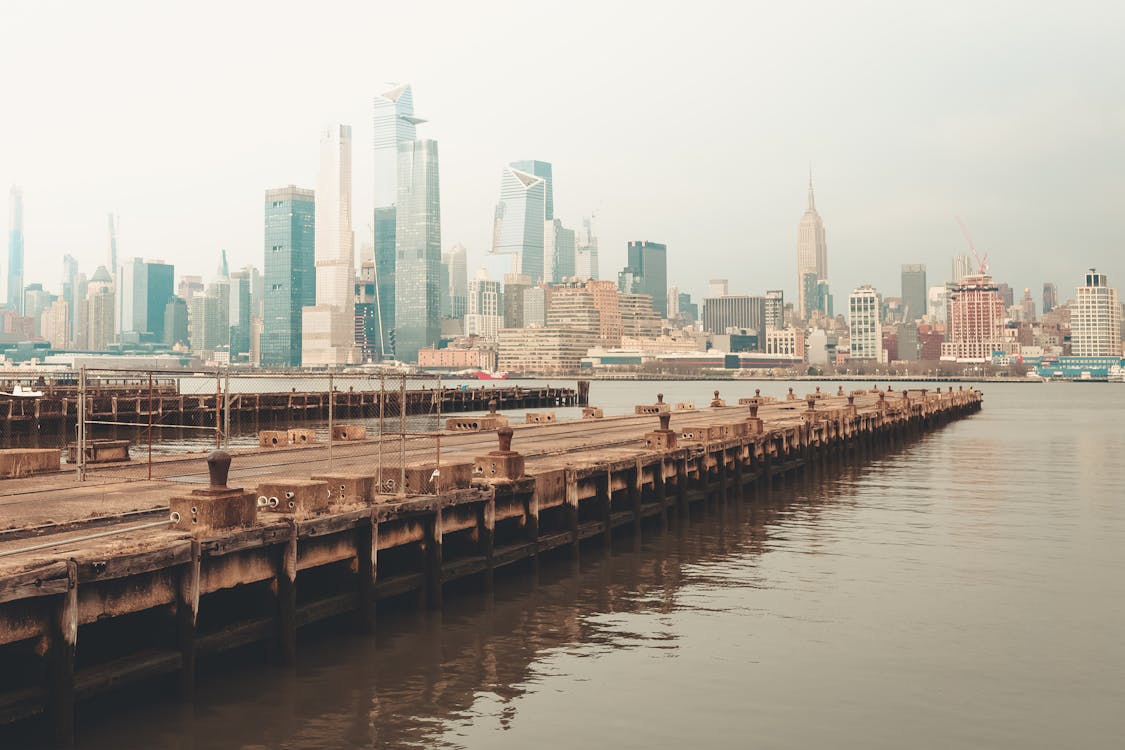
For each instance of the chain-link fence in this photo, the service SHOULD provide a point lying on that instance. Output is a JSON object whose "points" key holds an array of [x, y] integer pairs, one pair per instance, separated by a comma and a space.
{"points": [[160, 425]]}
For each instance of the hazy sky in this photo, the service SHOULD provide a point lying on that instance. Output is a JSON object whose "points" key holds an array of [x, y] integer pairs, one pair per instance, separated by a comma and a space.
{"points": [[691, 123]]}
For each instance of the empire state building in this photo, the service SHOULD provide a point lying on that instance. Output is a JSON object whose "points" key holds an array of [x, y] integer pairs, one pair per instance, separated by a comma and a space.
{"points": [[812, 255]]}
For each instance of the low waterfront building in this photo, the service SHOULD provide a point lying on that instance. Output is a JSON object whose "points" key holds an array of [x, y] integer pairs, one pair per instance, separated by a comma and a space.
{"points": [[450, 358], [543, 350], [789, 342]]}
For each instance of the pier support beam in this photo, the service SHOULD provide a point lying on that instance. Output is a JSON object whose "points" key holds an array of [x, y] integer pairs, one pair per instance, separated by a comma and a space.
{"points": [[187, 615], [287, 598], [367, 559], [62, 641], [433, 560]]}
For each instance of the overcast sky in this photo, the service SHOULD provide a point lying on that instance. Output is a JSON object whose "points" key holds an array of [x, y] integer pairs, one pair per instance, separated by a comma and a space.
{"points": [[691, 123]]}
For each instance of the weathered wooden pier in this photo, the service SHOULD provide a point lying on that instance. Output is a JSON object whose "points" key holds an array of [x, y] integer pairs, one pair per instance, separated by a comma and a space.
{"points": [[135, 403], [84, 613]]}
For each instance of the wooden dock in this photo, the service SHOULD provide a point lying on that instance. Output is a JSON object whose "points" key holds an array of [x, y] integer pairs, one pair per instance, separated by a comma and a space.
{"points": [[84, 611], [57, 409]]}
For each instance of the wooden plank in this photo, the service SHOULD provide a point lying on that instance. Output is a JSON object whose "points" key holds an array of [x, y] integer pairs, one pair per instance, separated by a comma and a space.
{"points": [[400, 584], [45, 581], [21, 704], [326, 607], [333, 524], [235, 636], [246, 539], [123, 566], [110, 675]]}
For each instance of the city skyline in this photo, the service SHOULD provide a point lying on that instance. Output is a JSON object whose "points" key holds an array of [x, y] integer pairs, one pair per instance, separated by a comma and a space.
{"points": [[972, 166]]}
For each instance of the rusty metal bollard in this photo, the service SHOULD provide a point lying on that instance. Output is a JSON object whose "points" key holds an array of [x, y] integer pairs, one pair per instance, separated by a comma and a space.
{"points": [[218, 468]]}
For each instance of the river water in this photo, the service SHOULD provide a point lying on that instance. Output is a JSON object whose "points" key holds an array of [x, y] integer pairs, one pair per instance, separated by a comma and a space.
{"points": [[965, 590]]}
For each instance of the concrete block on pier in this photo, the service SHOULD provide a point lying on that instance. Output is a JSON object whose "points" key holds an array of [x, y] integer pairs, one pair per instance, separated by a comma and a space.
{"points": [[540, 417], [273, 438], [684, 406], [475, 424], [347, 489], [100, 451], [217, 507], [424, 479], [22, 462], [658, 408], [284, 495], [664, 438], [213, 509], [301, 436], [717, 402], [502, 463], [349, 432], [592, 412]]}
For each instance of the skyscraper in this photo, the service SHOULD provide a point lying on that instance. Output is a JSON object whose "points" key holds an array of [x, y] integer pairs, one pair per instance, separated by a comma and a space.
{"points": [[143, 289], [1050, 296], [328, 328], [485, 316], [15, 249], [457, 260], [586, 251], [962, 267], [541, 169], [239, 315], [1095, 321], [976, 319], [914, 290], [111, 243], [518, 225], [647, 273], [290, 281], [418, 250], [395, 125], [775, 309], [812, 249], [559, 250], [99, 311], [864, 326], [69, 294]]}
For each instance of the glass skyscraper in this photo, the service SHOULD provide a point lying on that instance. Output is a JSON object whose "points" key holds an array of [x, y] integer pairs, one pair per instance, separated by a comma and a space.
{"points": [[290, 273], [647, 273], [541, 169], [15, 249], [143, 290], [394, 126], [418, 250], [519, 221], [914, 291]]}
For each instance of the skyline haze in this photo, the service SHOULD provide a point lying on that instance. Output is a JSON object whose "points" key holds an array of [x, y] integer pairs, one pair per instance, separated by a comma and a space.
{"points": [[995, 115]]}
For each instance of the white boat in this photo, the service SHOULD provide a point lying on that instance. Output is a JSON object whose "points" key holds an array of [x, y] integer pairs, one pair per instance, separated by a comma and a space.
{"points": [[1116, 374], [20, 392]]}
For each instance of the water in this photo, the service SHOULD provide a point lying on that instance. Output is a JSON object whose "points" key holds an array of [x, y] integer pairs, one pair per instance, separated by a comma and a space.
{"points": [[964, 591]]}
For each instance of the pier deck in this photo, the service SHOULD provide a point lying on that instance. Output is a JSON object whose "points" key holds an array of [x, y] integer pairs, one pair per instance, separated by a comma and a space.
{"points": [[84, 609]]}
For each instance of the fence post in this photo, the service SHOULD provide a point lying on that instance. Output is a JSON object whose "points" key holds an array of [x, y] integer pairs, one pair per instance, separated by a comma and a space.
{"points": [[150, 424], [218, 409], [437, 432], [382, 421], [81, 447], [402, 442], [331, 400], [226, 408]]}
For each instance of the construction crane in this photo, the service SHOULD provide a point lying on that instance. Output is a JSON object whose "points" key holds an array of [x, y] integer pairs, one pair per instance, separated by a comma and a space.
{"points": [[982, 263]]}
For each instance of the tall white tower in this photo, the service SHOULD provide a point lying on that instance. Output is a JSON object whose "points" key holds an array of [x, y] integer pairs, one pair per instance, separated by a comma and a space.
{"points": [[812, 249], [1095, 322], [328, 328]]}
